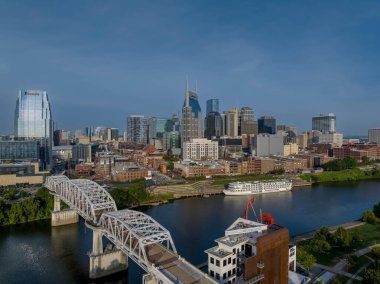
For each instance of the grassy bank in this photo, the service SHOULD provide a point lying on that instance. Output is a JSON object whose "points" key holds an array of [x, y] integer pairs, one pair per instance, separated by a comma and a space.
{"points": [[360, 237], [345, 175], [136, 194]]}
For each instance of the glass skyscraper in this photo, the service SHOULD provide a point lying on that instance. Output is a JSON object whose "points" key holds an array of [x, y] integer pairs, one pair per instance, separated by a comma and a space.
{"points": [[324, 122], [267, 124], [33, 121], [212, 105], [191, 117]]}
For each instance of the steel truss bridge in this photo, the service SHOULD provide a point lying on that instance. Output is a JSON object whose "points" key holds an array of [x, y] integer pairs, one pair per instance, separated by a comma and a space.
{"points": [[136, 234]]}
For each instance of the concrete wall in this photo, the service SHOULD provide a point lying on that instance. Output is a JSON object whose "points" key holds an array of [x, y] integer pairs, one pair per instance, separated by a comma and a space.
{"points": [[107, 263], [64, 217]]}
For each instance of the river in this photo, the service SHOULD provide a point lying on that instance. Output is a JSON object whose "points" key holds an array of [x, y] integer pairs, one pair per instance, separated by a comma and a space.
{"points": [[38, 253]]}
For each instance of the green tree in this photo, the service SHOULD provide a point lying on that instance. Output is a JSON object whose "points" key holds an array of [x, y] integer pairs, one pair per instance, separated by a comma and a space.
{"points": [[372, 276], [322, 234], [376, 210], [341, 237], [171, 166], [320, 246], [365, 160], [356, 236], [369, 217], [306, 259]]}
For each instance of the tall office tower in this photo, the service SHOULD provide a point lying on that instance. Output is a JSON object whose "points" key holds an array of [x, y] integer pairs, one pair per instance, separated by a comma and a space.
{"points": [[176, 123], [61, 137], [191, 117], [324, 122], [247, 123], [213, 125], [151, 129], [89, 131], [33, 121], [374, 135], [212, 105], [232, 122], [112, 134], [137, 129], [163, 125], [267, 124], [223, 116]]}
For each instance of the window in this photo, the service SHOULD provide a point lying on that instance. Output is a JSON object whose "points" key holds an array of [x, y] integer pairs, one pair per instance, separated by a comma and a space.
{"points": [[217, 262], [211, 260], [233, 271], [229, 260], [234, 251], [211, 273], [234, 261], [242, 247], [229, 273], [224, 275], [217, 276], [225, 262]]}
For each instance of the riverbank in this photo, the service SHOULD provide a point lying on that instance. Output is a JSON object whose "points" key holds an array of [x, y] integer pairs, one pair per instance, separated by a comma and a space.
{"points": [[342, 176]]}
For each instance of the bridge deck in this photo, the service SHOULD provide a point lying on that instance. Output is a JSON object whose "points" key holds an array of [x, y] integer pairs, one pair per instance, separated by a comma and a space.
{"points": [[175, 268]]}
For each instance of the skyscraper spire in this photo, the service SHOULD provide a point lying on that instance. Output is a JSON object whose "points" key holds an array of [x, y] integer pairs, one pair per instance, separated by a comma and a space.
{"points": [[187, 92]]}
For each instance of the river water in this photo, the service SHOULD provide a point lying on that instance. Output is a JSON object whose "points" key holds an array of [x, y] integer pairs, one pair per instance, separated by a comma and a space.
{"points": [[38, 253]]}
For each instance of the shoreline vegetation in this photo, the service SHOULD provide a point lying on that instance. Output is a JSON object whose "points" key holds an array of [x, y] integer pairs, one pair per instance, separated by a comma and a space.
{"points": [[327, 247], [35, 208], [341, 176]]}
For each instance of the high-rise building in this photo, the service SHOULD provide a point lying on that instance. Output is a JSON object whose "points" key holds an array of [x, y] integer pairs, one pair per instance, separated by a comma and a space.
{"points": [[200, 149], [232, 122], [176, 123], [33, 121], [267, 124], [191, 117], [89, 131], [213, 125], [374, 135], [171, 140], [137, 129], [324, 122], [247, 123], [61, 137], [163, 125], [112, 134], [212, 105]]}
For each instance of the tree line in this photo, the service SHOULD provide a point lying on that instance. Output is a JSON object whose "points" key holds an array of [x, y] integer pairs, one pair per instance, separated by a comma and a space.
{"points": [[31, 209]]}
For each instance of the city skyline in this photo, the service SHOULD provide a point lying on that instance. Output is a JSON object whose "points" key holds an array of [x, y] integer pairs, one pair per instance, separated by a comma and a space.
{"points": [[271, 57]]}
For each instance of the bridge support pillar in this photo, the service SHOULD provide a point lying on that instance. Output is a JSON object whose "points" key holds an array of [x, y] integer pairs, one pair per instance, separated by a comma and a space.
{"points": [[104, 262], [149, 279], [62, 217]]}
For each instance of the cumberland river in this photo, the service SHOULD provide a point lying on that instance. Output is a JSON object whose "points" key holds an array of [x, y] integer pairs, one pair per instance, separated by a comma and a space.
{"points": [[37, 253]]}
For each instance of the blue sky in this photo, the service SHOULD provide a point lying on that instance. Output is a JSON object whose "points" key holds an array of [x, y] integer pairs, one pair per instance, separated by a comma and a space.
{"points": [[101, 61]]}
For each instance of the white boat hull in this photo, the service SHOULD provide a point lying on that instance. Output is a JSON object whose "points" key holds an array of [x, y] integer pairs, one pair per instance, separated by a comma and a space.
{"points": [[249, 192]]}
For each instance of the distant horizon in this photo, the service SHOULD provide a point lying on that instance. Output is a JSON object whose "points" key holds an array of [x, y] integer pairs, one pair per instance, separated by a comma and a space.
{"points": [[103, 61]]}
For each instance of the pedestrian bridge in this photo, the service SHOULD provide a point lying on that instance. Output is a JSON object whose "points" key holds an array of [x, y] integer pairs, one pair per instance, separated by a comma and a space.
{"points": [[134, 233]]}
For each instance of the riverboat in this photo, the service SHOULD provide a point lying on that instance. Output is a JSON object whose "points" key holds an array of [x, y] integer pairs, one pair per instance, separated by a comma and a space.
{"points": [[257, 187]]}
